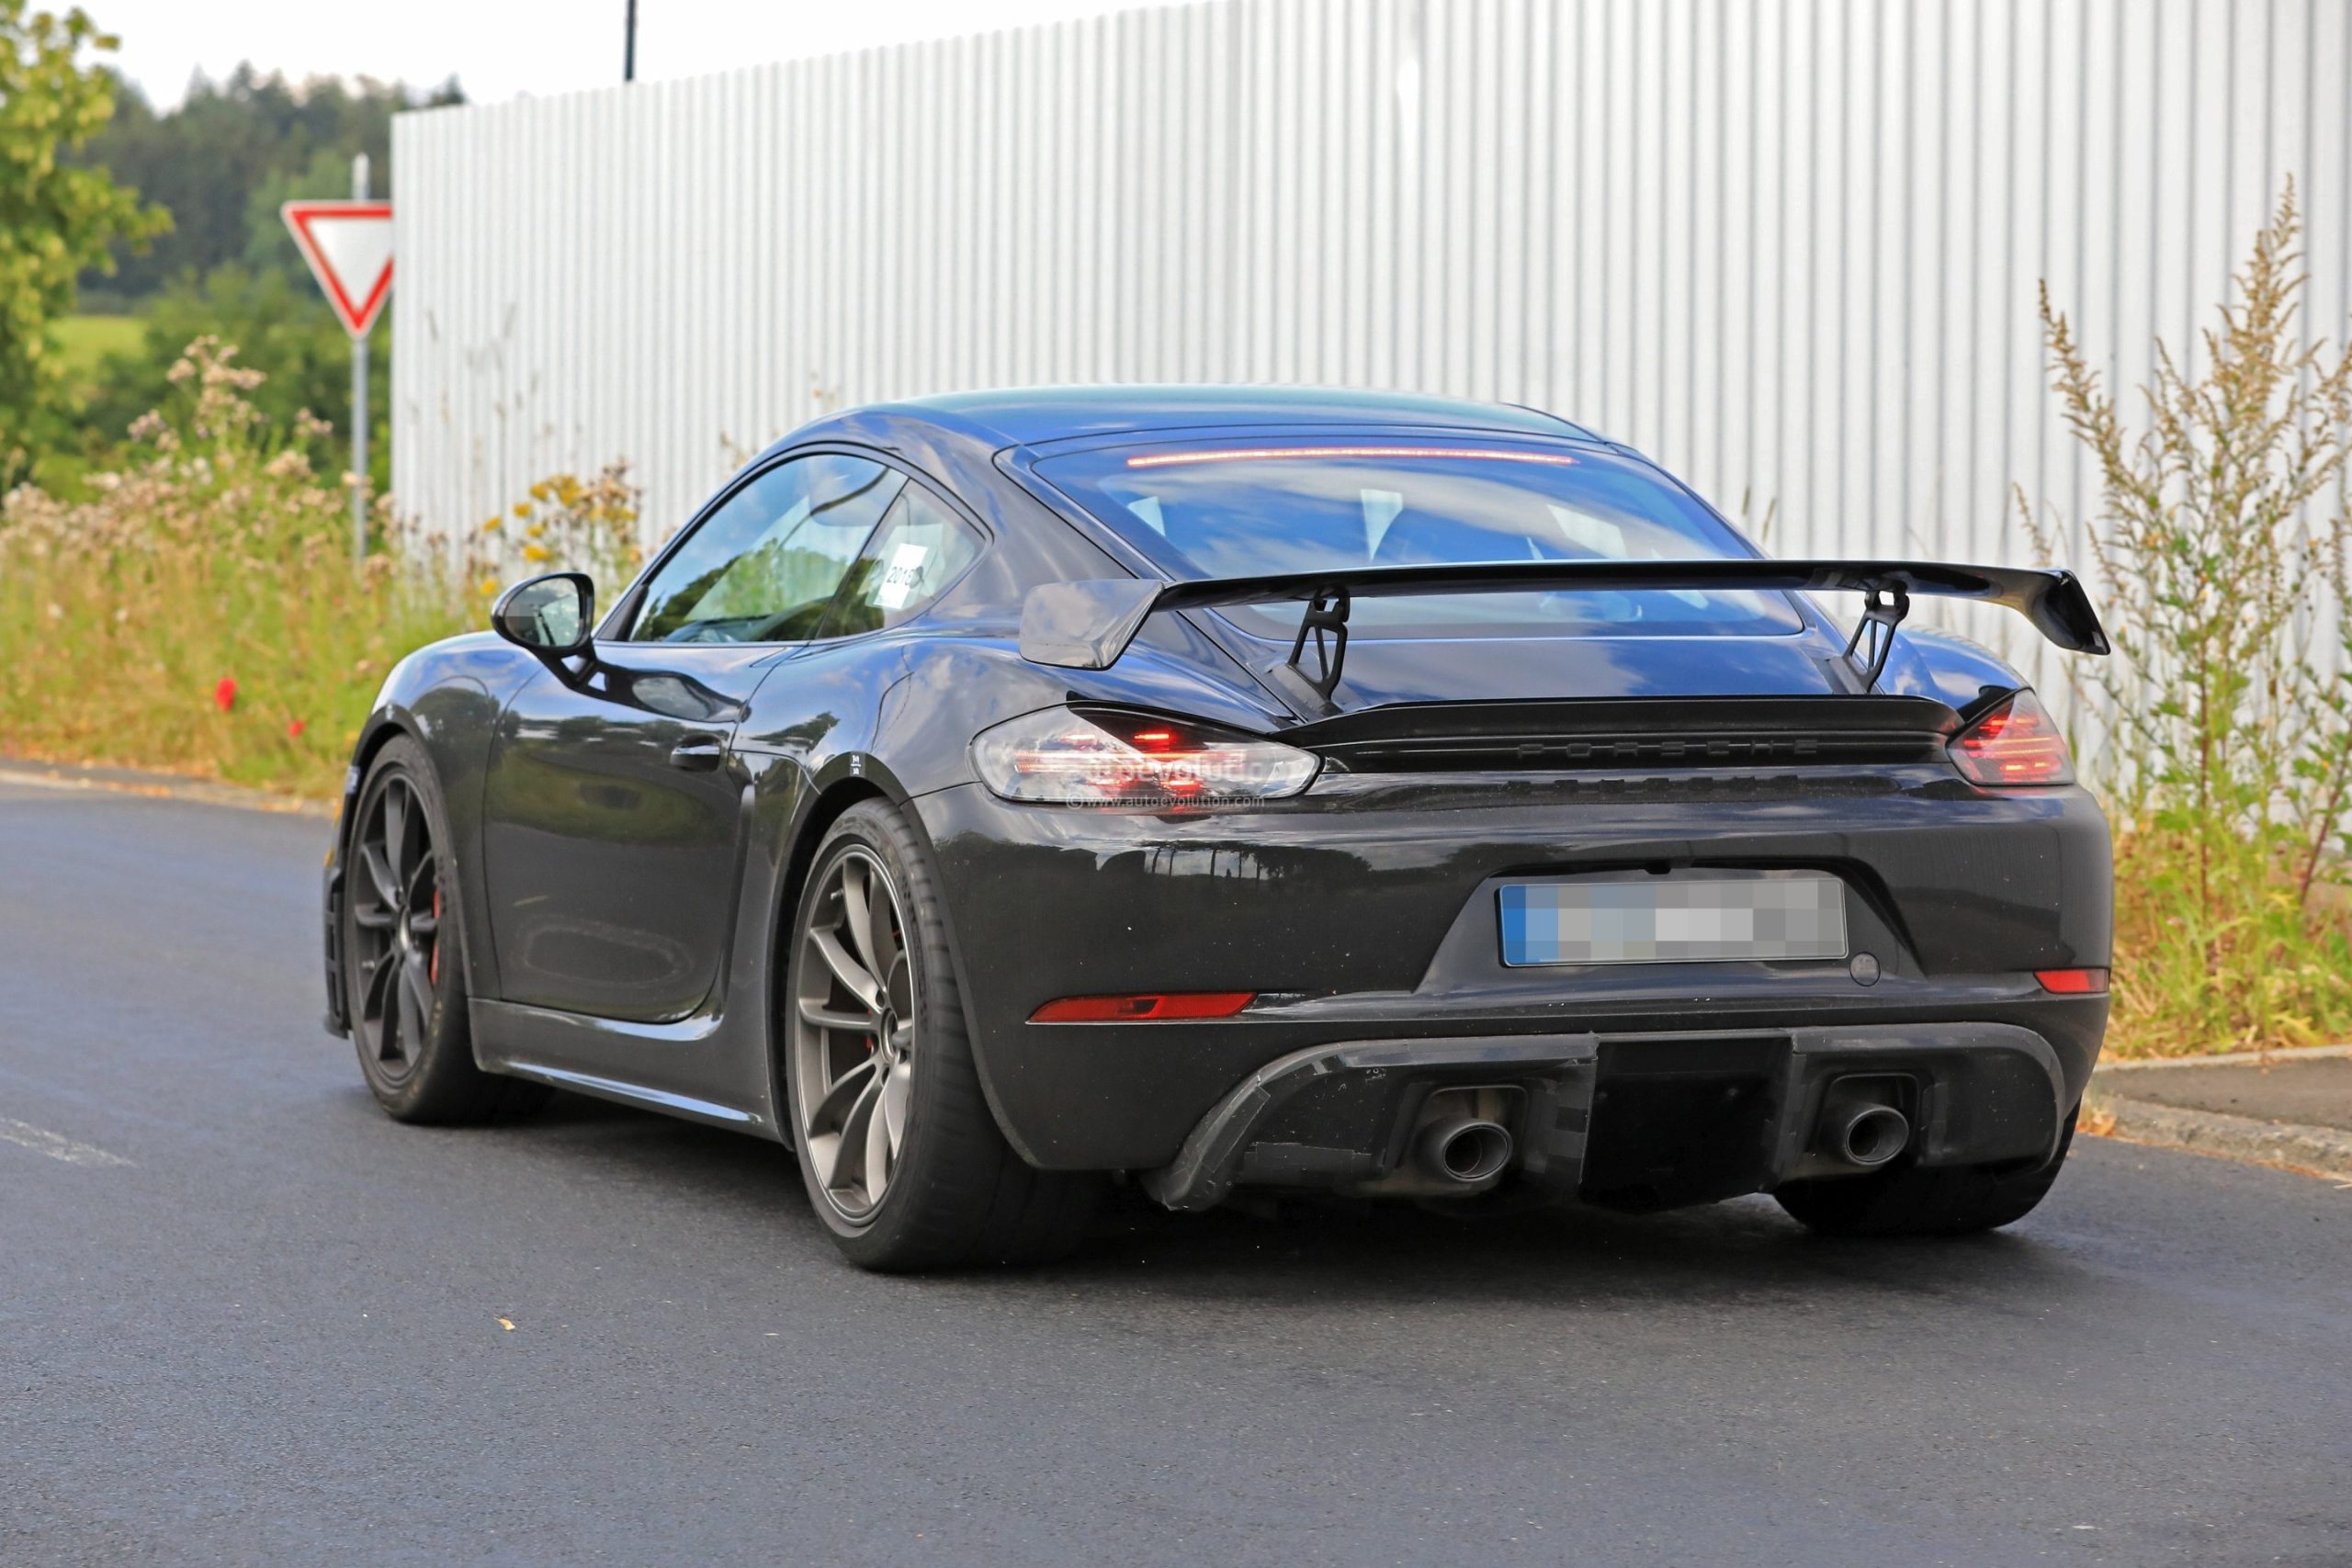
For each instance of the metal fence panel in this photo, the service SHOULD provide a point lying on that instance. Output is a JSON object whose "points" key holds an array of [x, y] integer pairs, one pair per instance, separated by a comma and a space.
{"points": [[1789, 247]]}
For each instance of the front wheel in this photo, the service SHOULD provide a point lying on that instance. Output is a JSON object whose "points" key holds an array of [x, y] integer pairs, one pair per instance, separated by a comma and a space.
{"points": [[902, 1159], [1955, 1200], [403, 954]]}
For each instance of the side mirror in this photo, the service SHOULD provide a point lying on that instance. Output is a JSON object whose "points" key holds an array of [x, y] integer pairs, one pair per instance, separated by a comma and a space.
{"points": [[551, 616]]}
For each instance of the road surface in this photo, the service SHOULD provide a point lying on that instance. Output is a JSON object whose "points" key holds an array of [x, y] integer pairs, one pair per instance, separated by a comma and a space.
{"points": [[244, 1318]]}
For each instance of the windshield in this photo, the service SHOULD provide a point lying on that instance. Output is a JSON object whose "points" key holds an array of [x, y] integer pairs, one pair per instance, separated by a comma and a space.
{"points": [[1251, 506]]}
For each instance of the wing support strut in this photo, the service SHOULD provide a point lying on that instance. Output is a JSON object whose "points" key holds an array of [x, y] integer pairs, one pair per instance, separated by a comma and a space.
{"points": [[1883, 606], [1327, 618]]}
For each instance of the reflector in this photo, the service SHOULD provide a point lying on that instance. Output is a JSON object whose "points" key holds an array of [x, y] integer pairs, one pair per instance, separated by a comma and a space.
{"points": [[2072, 982]]}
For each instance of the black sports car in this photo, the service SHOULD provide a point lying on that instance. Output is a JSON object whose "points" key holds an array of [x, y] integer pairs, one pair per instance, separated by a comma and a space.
{"points": [[998, 796]]}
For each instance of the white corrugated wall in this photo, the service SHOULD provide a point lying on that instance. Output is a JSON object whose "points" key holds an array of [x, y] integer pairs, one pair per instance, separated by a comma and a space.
{"points": [[1789, 248]]}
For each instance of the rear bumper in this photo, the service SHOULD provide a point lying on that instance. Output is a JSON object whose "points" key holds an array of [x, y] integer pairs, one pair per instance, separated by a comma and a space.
{"points": [[1636, 1122], [1363, 911]]}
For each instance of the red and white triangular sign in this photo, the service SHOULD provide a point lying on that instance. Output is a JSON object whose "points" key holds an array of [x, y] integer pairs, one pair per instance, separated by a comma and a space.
{"points": [[349, 247]]}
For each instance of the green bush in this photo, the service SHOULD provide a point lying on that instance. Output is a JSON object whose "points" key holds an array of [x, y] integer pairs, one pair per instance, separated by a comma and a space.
{"points": [[281, 327]]}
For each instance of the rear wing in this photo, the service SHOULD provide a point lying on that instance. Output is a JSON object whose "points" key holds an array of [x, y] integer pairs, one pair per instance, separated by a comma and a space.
{"points": [[1088, 625]]}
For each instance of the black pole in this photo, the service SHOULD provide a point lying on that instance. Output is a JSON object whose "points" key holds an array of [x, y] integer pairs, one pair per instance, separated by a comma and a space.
{"points": [[628, 47]]}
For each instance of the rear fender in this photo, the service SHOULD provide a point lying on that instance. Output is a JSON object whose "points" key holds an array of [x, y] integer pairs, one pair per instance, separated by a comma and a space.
{"points": [[1946, 667], [955, 687]]}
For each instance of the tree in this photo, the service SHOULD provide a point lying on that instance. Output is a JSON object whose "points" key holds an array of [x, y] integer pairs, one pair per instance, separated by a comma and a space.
{"points": [[55, 218], [228, 153]]}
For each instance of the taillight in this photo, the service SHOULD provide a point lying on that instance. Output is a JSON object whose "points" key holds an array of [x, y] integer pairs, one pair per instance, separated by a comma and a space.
{"points": [[1144, 1006], [1063, 757], [2072, 982], [2014, 743]]}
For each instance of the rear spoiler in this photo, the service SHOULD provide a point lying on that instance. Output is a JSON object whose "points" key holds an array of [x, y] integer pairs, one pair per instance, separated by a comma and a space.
{"points": [[1087, 625]]}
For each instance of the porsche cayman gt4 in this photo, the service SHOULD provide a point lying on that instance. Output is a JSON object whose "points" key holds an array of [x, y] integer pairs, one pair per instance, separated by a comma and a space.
{"points": [[997, 796]]}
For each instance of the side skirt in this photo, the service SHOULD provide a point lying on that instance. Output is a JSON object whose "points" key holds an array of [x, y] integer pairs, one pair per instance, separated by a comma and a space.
{"points": [[687, 1068]]}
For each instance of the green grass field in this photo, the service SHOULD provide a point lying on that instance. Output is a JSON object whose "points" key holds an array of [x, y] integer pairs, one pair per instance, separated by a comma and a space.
{"points": [[88, 339]]}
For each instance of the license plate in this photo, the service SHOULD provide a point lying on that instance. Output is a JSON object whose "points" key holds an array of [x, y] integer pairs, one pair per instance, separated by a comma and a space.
{"points": [[1713, 917]]}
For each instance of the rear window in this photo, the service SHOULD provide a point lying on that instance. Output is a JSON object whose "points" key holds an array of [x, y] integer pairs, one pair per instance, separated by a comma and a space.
{"points": [[1246, 507]]}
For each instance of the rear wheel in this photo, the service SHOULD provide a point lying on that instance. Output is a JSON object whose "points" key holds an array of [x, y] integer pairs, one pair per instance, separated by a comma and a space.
{"points": [[1957, 1200], [403, 954], [902, 1159]]}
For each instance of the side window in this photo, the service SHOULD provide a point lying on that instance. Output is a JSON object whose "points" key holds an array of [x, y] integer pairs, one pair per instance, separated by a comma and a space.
{"points": [[764, 566], [918, 551]]}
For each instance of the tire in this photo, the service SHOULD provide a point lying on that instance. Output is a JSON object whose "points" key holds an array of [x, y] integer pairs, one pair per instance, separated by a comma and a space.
{"points": [[407, 1021], [1958, 1201], [901, 1157]]}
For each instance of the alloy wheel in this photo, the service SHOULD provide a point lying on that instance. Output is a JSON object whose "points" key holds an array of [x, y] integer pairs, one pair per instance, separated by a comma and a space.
{"points": [[852, 1031], [396, 919]]}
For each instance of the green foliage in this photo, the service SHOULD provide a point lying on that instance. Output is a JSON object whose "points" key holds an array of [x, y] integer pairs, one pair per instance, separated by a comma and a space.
{"points": [[56, 218], [2224, 541], [83, 341], [232, 151], [282, 329], [225, 160]]}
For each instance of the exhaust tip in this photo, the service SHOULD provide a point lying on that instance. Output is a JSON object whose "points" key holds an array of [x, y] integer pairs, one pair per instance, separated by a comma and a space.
{"points": [[1874, 1135], [1467, 1151]]}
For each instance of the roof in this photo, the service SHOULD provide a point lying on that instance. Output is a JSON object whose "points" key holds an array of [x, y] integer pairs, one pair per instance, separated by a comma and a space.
{"points": [[1026, 415]]}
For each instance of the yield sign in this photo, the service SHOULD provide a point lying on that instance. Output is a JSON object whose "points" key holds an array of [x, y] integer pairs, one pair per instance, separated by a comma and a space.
{"points": [[349, 247]]}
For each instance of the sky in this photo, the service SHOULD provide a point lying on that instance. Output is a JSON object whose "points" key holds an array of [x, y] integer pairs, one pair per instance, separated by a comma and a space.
{"points": [[500, 49]]}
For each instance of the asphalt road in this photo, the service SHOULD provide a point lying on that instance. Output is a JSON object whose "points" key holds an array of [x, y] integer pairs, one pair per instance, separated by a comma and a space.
{"points": [[244, 1318]]}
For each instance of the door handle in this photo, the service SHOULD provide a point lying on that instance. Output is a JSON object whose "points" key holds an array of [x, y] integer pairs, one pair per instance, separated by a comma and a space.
{"points": [[699, 753]]}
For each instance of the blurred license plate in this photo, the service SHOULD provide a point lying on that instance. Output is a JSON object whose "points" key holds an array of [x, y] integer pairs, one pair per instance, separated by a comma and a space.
{"points": [[1675, 919]]}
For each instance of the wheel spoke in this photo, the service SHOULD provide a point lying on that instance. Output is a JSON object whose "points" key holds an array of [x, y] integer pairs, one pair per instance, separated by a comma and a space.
{"points": [[877, 1147], [372, 916], [420, 882], [396, 815], [857, 1128], [416, 1006], [833, 1111], [416, 973], [828, 1018], [857, 916], [898, 1089], [377, 1006], [379, 872], [846, 970], [900, 987], [882, 948], [424, 923]]}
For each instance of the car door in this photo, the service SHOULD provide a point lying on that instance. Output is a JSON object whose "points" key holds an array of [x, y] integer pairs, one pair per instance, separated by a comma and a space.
{"points": [[612, 810]]}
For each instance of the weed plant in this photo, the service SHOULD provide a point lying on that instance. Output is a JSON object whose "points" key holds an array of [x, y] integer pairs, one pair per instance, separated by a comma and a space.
{"points": [[2223, 540]]}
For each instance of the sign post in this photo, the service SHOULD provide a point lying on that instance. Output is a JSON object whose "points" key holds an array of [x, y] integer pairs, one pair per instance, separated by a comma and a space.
{"points": [[359, 400], [349, 245]]}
